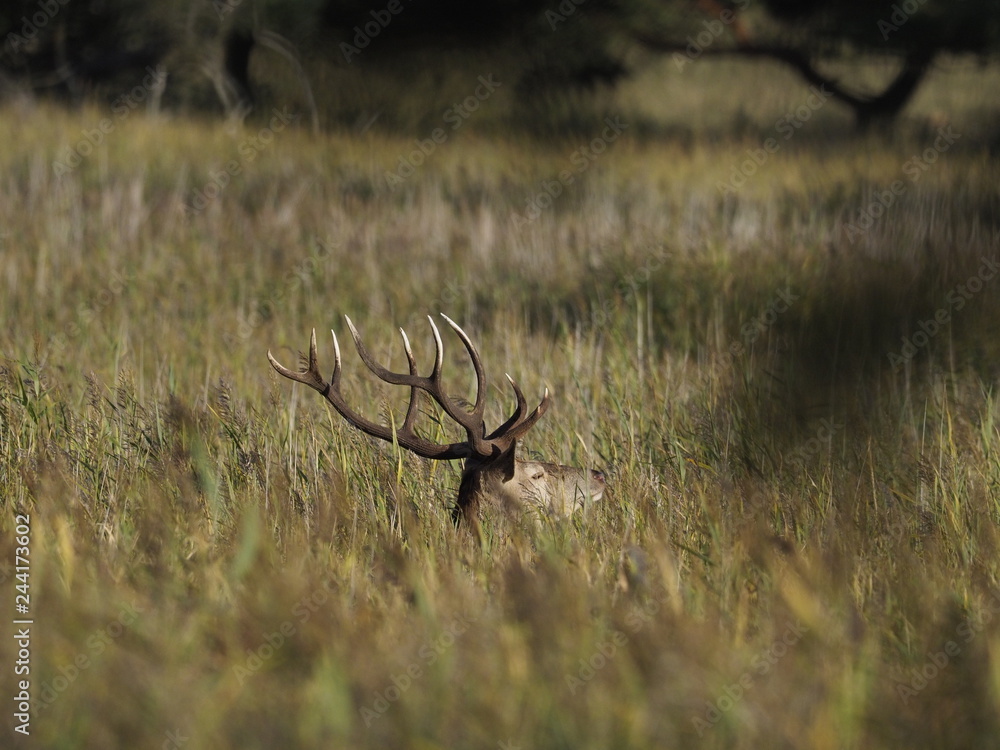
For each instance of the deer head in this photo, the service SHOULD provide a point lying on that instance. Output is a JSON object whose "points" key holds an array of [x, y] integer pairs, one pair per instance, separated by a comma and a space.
{"points": [[492, 476]]}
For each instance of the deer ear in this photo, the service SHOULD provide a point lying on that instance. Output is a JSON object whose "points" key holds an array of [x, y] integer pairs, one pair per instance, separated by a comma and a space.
{"points": [[505, 463]]}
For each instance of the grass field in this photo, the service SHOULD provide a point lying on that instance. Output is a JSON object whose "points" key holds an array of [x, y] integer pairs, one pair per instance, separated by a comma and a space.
{"points": [[791, 385]]}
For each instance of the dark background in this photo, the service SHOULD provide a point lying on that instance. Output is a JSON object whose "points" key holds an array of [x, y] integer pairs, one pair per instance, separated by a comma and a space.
{"points": [[216, 53]]}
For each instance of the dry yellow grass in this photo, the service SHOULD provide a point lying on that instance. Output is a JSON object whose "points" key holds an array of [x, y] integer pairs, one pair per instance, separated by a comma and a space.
{"points": [[798, 547]]}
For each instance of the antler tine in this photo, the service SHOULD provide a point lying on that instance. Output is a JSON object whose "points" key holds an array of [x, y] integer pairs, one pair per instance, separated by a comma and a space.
{"points": [[335, 378], [476, 363], [411, 409], [518, 424], [367, 358], [515, 426], [472, 421], [438, 352], [310, 376], [519, 429], [519, 411], [388, 376], [406, 437], [478, 443]]}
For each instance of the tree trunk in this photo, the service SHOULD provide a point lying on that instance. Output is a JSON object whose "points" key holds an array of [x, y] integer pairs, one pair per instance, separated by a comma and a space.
{"points": [[879, 110], [238, 46], [883, 109]]}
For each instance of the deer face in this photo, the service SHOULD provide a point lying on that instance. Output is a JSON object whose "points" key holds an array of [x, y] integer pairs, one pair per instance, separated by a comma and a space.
{"points": [[556, 489], [516, 486]]}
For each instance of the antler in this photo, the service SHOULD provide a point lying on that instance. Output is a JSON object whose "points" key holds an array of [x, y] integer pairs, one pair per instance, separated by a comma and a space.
{"points": [[478, 443]]}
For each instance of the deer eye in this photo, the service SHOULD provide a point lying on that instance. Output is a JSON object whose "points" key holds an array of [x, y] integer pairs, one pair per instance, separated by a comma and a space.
{"points": [[538, 474]]}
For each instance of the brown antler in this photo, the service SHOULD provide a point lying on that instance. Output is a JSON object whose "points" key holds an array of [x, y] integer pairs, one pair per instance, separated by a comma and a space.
{"points": [[478, 443]]}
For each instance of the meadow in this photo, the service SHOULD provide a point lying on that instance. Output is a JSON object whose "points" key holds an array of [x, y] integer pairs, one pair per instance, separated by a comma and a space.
{"points": [[785, 359]]}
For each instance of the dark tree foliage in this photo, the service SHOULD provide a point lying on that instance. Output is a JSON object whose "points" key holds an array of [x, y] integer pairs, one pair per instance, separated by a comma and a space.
{"points": [[72, 47], [68, 47], [459, 21], [916, 31], [804, 33], [901, 26]]}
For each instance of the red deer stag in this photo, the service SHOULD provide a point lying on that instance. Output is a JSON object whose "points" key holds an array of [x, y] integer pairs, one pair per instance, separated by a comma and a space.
{"points": [[492, 476]]}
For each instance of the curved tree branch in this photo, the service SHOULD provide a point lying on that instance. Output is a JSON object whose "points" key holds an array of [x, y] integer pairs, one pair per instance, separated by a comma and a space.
{"points": [[868, 110]]}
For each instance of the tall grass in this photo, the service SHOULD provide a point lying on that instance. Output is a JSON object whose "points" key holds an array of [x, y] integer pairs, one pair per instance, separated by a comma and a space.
{"points": [[796, 528]]}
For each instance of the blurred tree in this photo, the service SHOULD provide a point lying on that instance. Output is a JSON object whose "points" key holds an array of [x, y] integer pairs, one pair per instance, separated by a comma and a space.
{"points": [[69, 48], [75, 47], [804, 33]]}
